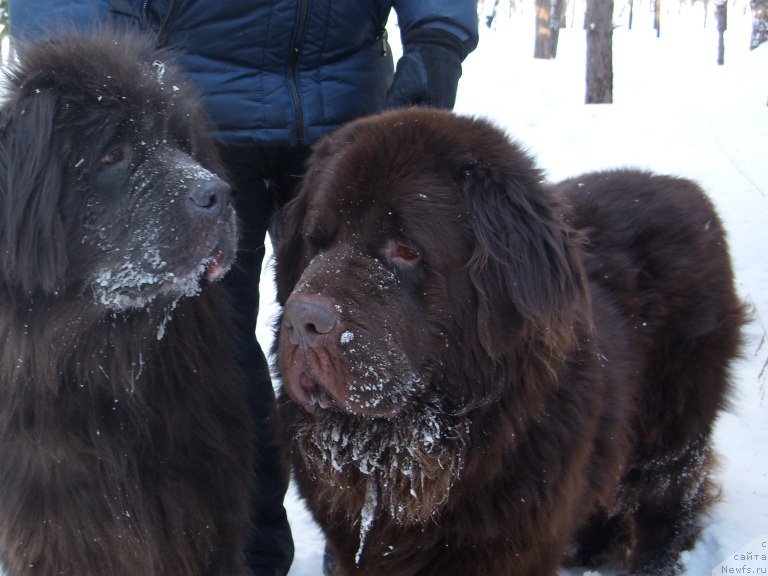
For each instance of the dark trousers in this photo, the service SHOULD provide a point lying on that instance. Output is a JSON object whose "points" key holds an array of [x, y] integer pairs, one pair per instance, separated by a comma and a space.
{"points": [[263, 180]]}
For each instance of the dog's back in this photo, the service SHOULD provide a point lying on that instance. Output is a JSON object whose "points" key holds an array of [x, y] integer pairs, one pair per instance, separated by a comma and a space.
{"points": [[655, 250]]}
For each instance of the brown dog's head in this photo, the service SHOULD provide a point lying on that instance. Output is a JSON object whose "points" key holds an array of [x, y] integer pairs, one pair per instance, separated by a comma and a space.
{"points": [[420, 244]]}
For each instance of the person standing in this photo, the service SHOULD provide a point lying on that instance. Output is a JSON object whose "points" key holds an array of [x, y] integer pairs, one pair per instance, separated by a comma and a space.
{"points": [[276, 76]]}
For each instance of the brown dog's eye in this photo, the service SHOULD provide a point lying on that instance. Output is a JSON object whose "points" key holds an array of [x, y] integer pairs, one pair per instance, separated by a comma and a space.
{"points": [[406, 253], [402, 254], [114, 156]]}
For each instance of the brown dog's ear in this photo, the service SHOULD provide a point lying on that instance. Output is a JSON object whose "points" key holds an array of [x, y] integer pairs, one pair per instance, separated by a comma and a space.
{"points": [[33, 254], [289, 252], [524, 268]]}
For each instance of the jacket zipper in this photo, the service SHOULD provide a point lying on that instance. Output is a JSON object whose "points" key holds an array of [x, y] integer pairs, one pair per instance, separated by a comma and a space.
{"points": [[298, 40]]}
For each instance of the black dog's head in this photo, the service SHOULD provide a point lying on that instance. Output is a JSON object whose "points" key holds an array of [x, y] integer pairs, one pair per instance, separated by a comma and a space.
{"points": [[107, 179]]}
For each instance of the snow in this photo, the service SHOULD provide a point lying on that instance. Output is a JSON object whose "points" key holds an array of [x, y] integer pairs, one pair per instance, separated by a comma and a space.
{"points": [[160, 69], [125, 287], [675, 111], [347, 337], [367, 516]]}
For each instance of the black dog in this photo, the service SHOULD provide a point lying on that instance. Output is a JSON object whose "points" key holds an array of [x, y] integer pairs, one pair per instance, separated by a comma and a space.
{"points": [[124, 433], [488, 376]]}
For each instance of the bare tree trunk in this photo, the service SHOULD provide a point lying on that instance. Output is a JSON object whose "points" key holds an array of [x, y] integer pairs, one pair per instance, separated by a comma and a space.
{"points": [[543, 47], [492, 16], [550, 17], [599, 52], [721, 11], [631, 12], [759, 22], [558, 22], [657, 17]]}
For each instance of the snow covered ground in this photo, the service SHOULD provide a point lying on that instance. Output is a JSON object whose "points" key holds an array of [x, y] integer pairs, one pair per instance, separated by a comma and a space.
{"points": [[675, 112]]}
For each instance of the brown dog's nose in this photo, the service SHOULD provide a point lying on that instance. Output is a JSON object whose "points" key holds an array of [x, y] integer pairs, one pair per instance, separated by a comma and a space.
{"points": [[308, 317]]}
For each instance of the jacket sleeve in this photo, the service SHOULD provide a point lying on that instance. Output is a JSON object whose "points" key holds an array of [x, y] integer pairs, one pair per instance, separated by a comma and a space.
{"points": [[33, 19], [437, 35], [457, 17]]}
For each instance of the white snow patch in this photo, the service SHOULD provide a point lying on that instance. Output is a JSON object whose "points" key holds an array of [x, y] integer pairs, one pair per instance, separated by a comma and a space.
{"points": [[160, 70], [367, 514], [347, 337]]}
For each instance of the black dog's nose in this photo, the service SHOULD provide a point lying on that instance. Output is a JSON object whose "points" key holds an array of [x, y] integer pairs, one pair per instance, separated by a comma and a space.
{"points": [[209, 196], [308, 317]]}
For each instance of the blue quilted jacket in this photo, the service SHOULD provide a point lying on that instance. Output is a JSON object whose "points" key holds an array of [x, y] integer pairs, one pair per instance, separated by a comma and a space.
{"points": [[273, 72]]}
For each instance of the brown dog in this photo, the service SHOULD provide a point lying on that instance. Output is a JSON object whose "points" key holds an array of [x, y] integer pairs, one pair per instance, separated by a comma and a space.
{"points": [[488, 376]]}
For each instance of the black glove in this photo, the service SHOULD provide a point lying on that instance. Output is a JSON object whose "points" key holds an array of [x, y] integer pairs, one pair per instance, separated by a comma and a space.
{"points": [[428, 72]]}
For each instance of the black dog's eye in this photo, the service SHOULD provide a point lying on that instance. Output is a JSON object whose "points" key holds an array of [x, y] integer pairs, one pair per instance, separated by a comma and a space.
{"points": [[114, 156]]}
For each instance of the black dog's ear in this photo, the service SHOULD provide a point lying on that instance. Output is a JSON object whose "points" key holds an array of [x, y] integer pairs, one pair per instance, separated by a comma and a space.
{"points": [[32, 254], [524, 267]]}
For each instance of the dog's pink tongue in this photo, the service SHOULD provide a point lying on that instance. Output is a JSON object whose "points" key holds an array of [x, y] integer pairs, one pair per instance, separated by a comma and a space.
{"points": [[214, 269]]}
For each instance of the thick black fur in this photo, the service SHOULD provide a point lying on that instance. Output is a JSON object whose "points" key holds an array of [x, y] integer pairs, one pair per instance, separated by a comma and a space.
{"points": [[124, 433]]}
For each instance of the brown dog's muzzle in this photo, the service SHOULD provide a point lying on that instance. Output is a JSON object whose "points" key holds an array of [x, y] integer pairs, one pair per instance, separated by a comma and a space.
{"points": [[311, 323]]}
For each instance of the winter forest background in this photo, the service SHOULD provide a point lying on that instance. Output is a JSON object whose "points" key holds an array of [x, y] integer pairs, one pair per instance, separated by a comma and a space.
{"points": [[687, 82]]}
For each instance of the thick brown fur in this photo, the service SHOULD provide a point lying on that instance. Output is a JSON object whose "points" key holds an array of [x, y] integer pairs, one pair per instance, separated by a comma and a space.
{"points": [[487, 375], [124, 433]]}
